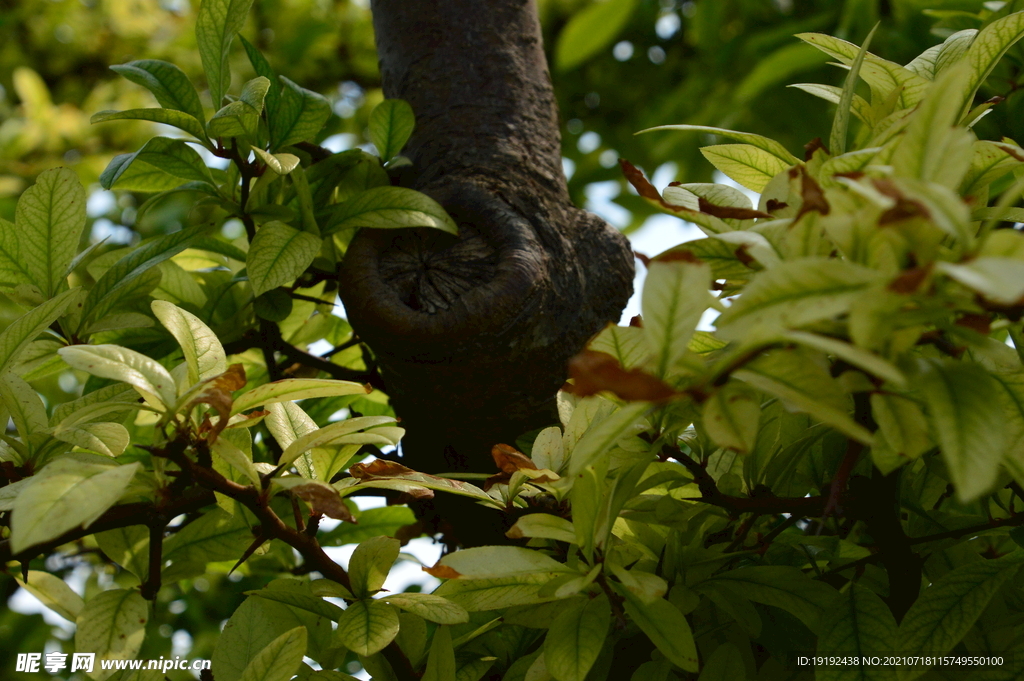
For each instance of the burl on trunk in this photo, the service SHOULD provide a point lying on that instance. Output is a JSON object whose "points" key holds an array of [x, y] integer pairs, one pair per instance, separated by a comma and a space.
{"points": [[473, 332]]}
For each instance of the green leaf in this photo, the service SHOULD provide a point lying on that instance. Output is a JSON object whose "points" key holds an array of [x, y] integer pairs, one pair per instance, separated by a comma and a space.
{"points": [[288, 422], [841, 122], [971, 435], [370, 564], [128, 547], [65, 495], [725, 664], [280, 659], [987, 49], [576, 638], [24, 406], [794, 294], [278, 254], [902, 428], [674, 298], [215, 536], [803, 383], [297, 115], [226, 450], [112, 625], [858, 626], [391, 124], [235, 119], [54, 593], [666, 627], [428, 606], [441, 660], [116, 283], [202, 350], [391, 207], [368, 626], [783, 587], [761, 142], [121, 364], [855, 356], [27, 327], [373, 522], [289, 389], [169, 84], [591, 30], [50, 219], [944, 613], [751, 166], [178, 119], [730, 416], [172, 156], [216, 25], [252, 627]]}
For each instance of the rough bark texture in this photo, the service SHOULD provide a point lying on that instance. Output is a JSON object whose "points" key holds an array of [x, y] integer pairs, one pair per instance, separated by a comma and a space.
{"points": [[473, 333]]}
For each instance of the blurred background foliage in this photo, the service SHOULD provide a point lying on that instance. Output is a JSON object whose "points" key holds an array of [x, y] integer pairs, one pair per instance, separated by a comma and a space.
{"points": [[618, 66]]}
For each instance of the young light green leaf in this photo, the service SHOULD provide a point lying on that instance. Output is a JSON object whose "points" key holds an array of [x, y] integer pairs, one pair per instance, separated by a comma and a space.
{"points": [[112, 625], [295, 115], [289, 389], [27, 327], [216, 25], [391, 124], [54, 593], [794, 294], [391, 207], [178, 119], [494, 562], [441, 660], [429, 606], [987, 48], [63, 496], [117, 282], [109, 439], [278, 254], [764, 143], [841, 122], [338, 433], [50, 218], [590, 31], [947, 609], [368, 626], [1000, 280], [675, 296], [226, 450], [280, 659], [202, 350], [730, 416], [169, 84], [576, 638], [858, 357], [751, 166], [666, 627], [548, 451], [234, 119], [370, 564], [804, 384], [543, 526], [282, 164], [600, 439], [971, 435], [24, 405], [859, 106], [477, 595], [171, 156], [882, 75], [121, 364], [859, 626]]}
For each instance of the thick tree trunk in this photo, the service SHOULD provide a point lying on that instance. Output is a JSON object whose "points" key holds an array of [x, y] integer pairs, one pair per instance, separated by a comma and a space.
{"points": [[473, 333]]}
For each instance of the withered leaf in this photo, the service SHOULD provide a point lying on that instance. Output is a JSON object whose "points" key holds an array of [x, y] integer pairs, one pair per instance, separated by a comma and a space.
{"points": [[594, 372]]}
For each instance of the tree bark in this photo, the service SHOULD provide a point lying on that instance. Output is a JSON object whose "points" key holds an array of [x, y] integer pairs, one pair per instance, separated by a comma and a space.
{"points": [[473, 333]]}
